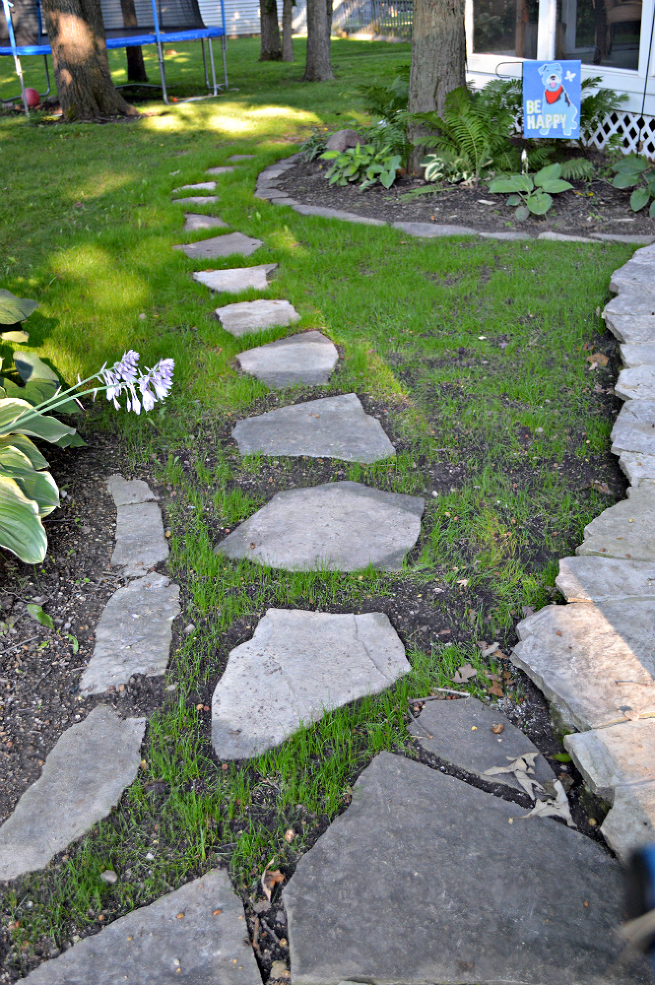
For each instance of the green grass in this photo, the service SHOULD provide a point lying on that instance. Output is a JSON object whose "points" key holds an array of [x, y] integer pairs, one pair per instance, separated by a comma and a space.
{"points": [[462, 347]]}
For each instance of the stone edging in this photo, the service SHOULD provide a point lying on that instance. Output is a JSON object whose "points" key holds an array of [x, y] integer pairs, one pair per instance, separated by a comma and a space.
{"points": [[268, 190]]}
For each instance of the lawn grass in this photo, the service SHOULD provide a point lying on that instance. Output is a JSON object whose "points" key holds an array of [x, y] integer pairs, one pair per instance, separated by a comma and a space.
{"points": [[473, 354]]}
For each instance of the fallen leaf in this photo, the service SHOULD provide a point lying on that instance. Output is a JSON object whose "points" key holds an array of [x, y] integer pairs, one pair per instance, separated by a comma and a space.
{"points": [[527, 611], [270, 880], [600, 487], [497, 729], [463, 582], [521, 767], [464, 674], [488, 650], [597, 359], [496, 690], [499, 655], [554, 808], [289, 835]]}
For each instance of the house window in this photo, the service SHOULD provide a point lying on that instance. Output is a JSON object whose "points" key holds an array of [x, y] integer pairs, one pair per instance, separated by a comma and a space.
{"points": [[599, 32], [505, 27]]}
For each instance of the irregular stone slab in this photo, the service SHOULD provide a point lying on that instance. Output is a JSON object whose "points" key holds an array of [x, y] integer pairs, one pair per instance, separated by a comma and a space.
{"points": [[306, 358], [332, 427], [614, 757], [423, 879], [221, 246], [82, 779], [638, 355], [341, 525], [509, 236], [297, 666], [637, 383], [634, 428], [208, 943], [618, 238], [196, 200], [638, 280], [219, 170], [632, 328], [563, 238], [631, 821], [133, 635], [128, 492], [237, 279], [241, 157], [429, 229], [459, 732], [599, 579], [200, 186], [246, 317], [637, 467], [625, 530], [328, 213], [140, 541], [195, 222], [594, 663]]}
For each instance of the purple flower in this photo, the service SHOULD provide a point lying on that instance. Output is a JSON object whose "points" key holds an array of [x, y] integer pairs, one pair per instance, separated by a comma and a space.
{"points": [[123, 377]]}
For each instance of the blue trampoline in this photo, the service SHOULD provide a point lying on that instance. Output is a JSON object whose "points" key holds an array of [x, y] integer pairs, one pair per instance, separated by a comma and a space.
{"points": [[158, 22]]}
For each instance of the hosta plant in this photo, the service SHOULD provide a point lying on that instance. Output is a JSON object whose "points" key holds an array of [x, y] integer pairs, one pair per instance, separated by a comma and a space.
{"points": [[636, 171], [364, 164], [531, 194]]}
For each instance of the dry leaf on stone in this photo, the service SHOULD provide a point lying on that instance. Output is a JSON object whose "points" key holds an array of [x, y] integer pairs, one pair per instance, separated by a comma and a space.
{"points": [[464, 674], [554, 808], [497, 729], [520, 767], [271, 879]]}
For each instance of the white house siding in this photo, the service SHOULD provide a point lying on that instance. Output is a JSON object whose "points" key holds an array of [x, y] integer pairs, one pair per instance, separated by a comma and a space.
{"points": [[242, 16]]}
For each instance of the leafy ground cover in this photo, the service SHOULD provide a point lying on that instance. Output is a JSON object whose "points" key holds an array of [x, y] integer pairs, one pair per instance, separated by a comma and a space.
{"points": [[487, 363]]}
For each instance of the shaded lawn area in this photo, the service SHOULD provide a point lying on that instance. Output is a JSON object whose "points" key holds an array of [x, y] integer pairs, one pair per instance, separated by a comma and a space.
{"points": [[472, 354]]}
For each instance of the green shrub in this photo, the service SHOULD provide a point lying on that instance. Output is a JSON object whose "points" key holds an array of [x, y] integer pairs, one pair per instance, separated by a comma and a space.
{"points": [[364, 164], [635, 170], [531, 194]]}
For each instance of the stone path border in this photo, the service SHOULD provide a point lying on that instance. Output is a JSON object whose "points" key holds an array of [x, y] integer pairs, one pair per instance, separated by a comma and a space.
{"points": [[267, 189]]}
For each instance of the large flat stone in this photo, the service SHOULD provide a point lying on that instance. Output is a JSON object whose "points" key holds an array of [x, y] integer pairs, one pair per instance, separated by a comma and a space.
{"points": [[459, 732], [600, 579], [340, 525], [433, 229], [297, 666], [195, 222], [637, 280], [634, 428], [594, 662], [82, 779], [200, 186], [196, 200], [307, 358], [236, 279], [637, 383], [637, 467], [614, 757], [332, 427], [140, 541], [423, 879], [220, 170], [208, 944], [631, 317], [247, 317], [221, 246], [638, 355], [631, 821], [619, 238], [625, 530], [241, 157], [127, 492], [133, 635], [563, 238]]}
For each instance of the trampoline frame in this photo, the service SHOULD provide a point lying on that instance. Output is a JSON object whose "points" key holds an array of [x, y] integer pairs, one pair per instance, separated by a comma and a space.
{"points": [[157, 38]]}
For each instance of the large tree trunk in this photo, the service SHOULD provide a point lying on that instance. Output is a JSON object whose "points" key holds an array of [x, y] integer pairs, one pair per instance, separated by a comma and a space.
{"points": [[79, 58], [438, 59], [287, 26], [271, 48], [136, 69], [318, 67]]}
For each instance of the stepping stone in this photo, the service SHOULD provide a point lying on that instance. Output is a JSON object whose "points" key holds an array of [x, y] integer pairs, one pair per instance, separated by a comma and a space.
{"points": [[140, 541], [626, 529], [618, 238], [195, 222], [133, 635], [343, 526], [637, 383], [594, 663], [241, 157], [328, 213], [631, 821], [332, 427], [631, 317], [636, 279], [128, 492], [422, 879], [459, 732], [237, 279], [634, 428], [596, 579], [195, 935], [307, 358], [83, 778], [297, 666], [196, 200], [433, 229], [201, 186], [563, 238], [638, 355], [637, 467], [246, 317], [221, 246], [219, 170]]}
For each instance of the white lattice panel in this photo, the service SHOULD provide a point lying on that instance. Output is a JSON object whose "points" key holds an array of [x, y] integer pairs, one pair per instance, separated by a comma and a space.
{"points": [[637, 132]]}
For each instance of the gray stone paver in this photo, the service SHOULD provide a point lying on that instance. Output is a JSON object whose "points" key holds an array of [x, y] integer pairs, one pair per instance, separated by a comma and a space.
{"points": [[637, 467], [614, 757], [307, 358], [638, 280], [195, 222], [133, 635], [297, 666], [221, 246], [625, 530], [636, 328], [430, 229], [331, 427], [459, 732], [423, 879], [636, 383], [634, 428], [246, 317], [200, 186], [196, 200], [82, 779], [140, 541], [599, 579], [631, 821], [241, 157], [219, 170], [340, 525], [563, 238], [642, 354], [236, 279], [127, 492], [193, 936]]}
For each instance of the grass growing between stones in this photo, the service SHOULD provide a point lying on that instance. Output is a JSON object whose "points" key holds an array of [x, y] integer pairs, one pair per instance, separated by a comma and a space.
{"points": [[472, 354]]}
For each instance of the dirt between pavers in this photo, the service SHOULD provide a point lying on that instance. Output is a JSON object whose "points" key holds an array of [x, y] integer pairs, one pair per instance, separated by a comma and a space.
{"points": [[573, 213]]}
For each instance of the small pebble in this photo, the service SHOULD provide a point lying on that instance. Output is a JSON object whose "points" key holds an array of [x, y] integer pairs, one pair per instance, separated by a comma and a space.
{"points": [[142, 316], [109, 876], [189, 629]]}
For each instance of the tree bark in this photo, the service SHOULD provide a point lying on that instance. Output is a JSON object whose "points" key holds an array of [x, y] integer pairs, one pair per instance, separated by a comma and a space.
{"points": [[318, 67], [79, 58], [287, 25], [136, 69], [271, 46], [438, 59]]}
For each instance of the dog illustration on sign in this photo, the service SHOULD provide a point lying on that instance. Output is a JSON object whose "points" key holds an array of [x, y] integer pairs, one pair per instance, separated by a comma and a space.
{"points": [[557, 108]]}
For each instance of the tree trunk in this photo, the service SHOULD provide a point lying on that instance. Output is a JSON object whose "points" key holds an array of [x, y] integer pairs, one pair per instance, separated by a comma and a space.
{"points": [[79, 58], [271, 48], [136, 69], [287, 25], [318, 67], [438, 59]]}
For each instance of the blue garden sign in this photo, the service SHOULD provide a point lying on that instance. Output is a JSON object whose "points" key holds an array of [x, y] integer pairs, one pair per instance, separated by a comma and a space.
{"points": [[551, 99]]}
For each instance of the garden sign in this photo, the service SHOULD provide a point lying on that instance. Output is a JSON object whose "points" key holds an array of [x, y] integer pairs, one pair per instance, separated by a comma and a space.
{"points": [[551, 99]]}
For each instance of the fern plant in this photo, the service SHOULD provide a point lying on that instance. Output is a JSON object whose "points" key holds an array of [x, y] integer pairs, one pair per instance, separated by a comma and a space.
{"points": [[387, 101]]}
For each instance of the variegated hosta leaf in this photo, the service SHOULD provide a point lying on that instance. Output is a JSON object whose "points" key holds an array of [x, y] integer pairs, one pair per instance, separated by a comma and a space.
{"points": [[42, 488], [28, 448], [21, 530]]}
